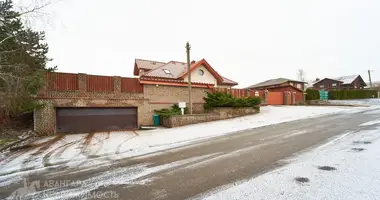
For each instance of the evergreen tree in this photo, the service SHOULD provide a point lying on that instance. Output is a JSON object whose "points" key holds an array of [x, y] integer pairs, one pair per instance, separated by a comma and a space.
{"points": [[23, 58]]}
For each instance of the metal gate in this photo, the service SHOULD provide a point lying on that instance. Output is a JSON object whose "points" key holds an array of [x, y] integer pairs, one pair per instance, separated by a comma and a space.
{"points": [[323, 95], [84, 120]]}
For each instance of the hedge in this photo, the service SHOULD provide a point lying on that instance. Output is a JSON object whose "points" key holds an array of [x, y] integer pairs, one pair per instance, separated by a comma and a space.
{"points": [[352, 94], [220, 99], [175, 110], [312, 94]]}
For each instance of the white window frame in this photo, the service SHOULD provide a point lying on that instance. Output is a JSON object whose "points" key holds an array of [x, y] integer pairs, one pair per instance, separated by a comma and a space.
{"points": [[334, 84], [321, 86], [299, 86]]}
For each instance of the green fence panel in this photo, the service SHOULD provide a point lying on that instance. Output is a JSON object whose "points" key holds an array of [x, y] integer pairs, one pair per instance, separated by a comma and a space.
{"points": [[323, 95]]}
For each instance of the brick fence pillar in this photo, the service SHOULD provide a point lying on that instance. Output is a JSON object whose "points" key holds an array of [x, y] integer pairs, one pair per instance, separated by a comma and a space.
{"points": [[82, 83], [44, 118], [117, 84]]}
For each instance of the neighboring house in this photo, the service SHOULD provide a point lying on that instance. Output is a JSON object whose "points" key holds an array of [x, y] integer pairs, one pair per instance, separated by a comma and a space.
{"points": [[275, 84], [176, 74], [282, 85], [82, 103], [327, 84], [353, 82]]}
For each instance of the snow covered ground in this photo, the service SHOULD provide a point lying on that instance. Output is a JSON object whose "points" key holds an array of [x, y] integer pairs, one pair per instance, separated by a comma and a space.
{"points": [[366, 102], [100, 148], [345, 168]]}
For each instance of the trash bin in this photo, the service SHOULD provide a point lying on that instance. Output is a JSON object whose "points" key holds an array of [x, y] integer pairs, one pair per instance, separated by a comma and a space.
{"points": [[156, 120]]}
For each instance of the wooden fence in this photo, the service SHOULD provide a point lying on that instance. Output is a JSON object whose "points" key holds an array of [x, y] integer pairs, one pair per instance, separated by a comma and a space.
{"points": [[241, 93], [272, 98], [61, 81], [57, 81], [131, 85], [100, 83]]}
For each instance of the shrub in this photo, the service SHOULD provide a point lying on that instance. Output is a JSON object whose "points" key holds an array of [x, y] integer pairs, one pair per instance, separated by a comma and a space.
{"points": [[220, 99], [312, 94], [352, 94], [165, 112]]}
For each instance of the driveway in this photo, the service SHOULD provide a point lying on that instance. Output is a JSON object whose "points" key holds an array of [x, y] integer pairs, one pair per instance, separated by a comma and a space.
{"points": [[190, 171]]}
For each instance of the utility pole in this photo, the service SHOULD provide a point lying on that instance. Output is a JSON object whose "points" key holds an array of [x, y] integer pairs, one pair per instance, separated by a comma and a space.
{"points": [[189, 76], [370, 81]]}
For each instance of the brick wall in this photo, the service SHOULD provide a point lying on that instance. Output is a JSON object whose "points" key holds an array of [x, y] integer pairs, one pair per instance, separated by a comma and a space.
{"points": [[166, 96], [117, 92]]}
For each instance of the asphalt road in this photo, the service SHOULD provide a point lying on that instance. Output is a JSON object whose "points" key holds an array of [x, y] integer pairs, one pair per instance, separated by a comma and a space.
{"points": [[191, 170]]}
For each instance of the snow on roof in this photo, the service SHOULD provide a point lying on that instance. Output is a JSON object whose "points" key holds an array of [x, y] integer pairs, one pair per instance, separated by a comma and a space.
{"points": [[343, 79], [347, 79]]}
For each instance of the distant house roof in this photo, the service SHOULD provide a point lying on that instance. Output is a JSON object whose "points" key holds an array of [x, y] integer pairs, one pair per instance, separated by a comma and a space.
{"points": [[175, 70], [347, 79], [342, 79], [325, 79], [271, 82]]}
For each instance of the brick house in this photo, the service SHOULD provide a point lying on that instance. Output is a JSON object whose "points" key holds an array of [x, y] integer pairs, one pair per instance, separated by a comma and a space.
{"points": [[281, 86], [81, 103], [327, 84], [353, 82]]}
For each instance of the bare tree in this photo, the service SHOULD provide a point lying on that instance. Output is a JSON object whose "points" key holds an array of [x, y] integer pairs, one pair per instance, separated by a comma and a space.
{"points": [[301, 75]]}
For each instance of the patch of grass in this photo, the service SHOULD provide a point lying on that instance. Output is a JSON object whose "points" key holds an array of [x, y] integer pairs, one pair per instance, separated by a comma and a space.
{"points": [[326, 168], [5, 141], [357, 149], [302, 179], [362, 142]]}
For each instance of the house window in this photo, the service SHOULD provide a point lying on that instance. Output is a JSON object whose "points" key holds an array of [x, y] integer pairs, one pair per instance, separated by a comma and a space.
{"points": [[201, 72], [299, 86], [322, 86], [166, 71], [334, 84]]}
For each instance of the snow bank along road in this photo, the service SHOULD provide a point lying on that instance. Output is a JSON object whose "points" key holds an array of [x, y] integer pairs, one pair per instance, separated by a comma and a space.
{"points": [[195, 169]]}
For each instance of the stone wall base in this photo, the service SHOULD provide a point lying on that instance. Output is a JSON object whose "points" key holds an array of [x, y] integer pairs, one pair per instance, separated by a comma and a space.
{"points": [[213, 115]]}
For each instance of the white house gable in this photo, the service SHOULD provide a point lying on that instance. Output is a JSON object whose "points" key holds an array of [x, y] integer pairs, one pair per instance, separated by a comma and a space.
{"points": [[202, 75]]}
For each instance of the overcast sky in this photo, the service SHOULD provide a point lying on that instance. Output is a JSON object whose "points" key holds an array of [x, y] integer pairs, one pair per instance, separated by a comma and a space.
{"points": [[247, 41]]}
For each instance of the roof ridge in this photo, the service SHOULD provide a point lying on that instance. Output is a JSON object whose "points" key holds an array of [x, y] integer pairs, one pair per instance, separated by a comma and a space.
{"points": [[177, 62], [348, 75], [149, 60]]}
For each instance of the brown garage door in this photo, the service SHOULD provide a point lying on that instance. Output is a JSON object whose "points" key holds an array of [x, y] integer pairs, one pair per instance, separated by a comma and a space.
{"points": [[84, 120]]}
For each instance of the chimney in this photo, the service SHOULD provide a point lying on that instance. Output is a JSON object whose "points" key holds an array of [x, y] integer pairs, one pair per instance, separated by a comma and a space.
{"points": [[317, 79], [193, 61]]}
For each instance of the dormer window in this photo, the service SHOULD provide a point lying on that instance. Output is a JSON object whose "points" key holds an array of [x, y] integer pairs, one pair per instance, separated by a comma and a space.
{"points": [[167, 71]]}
